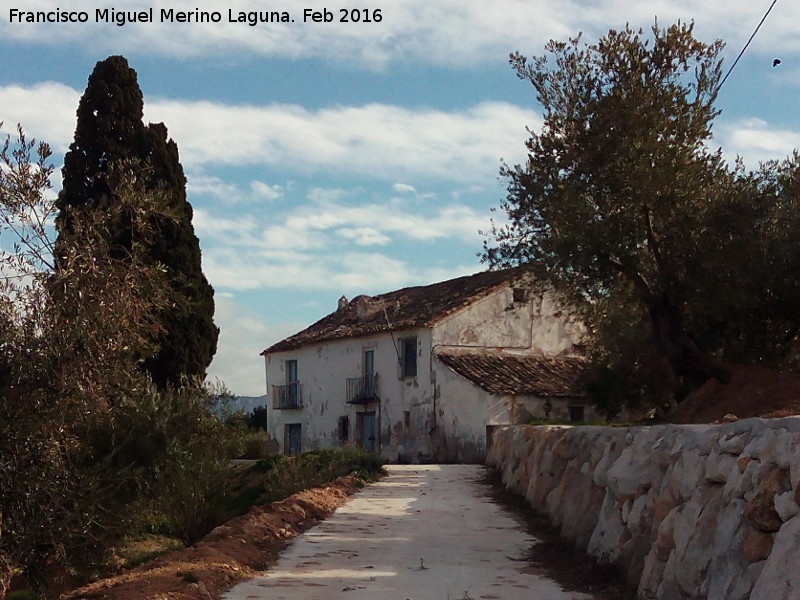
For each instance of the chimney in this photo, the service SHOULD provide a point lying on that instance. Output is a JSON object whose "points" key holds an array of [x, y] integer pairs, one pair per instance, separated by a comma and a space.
{"points": [[362, 306]]}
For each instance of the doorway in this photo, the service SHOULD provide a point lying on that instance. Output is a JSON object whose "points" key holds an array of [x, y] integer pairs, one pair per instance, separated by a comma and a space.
{"points": [[366, 422]]}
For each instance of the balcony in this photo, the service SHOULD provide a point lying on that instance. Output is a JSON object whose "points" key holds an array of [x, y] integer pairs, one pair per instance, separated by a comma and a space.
{"points": [[362, 390], [286, 396]]}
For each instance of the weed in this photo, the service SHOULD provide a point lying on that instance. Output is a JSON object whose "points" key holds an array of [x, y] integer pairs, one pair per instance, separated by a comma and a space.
{"points": [[24, 595], [188, 576]]}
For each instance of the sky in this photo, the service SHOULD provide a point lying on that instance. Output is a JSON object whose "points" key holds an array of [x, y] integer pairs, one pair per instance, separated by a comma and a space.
{"points": [[343, 158]]}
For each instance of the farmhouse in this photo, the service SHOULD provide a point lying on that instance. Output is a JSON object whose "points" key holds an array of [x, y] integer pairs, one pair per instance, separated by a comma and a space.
{"points": [[423, 373]]}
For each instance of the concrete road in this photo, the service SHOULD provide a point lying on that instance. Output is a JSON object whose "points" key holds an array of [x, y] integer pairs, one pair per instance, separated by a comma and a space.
{"points": [[425, 532]]}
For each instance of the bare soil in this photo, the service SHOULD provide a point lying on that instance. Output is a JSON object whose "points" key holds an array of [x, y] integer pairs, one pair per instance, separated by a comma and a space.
{"points": [[230, 553], [752, 392]]}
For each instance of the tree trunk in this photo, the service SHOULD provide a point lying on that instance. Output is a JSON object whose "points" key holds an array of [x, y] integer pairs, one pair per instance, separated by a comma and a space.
{"points": [[5, 576], [685, 356]]}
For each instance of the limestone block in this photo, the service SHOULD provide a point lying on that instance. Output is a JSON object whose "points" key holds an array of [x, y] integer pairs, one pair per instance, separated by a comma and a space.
{"points": [[741, 586], [610, 533], [664, 502], [786, 505], [728, 563], [762, 446], [780, 578], [743, 483], [794, 468], [632, 473], [686, 474], [694, 533], [640, 514], [665, 538], [652, 575], [761, 508], [757, 546], [600, 475], [719, 466], [732, 443], [584, 515], [787, 446], [669, 590]]}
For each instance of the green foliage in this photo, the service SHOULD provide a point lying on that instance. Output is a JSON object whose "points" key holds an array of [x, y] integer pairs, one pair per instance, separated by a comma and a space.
{"points": [[258, 418], [624, 210], [86, 442], [24, 595], [134, 552], [612, 196], [255, 445], [280, 476], [188, 576], [110, 131]]}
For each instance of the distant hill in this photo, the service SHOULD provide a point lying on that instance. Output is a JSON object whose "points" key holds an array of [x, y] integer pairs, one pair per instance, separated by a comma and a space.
{"points": [[246, 404]]}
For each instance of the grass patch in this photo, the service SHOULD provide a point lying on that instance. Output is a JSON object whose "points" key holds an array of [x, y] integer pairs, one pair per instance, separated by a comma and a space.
{"points": [[142, 549], [238, 489], [25, 595], [279, 476], [598, 422], [188, 576]]}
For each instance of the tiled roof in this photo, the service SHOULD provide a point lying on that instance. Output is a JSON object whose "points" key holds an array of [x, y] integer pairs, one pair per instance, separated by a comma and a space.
{"points": [[420, 306], [503, 374]]}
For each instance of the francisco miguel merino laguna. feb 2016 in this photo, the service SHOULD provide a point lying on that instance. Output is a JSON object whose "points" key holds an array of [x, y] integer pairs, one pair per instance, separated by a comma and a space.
{"points": [[170, 15]]}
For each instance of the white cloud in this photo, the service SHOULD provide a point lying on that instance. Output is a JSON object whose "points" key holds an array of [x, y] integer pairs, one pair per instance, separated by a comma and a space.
{"points": [[230, 193], [446, 32], [265, 191], [46, 111], [374, 141], [243, 335], [364, 236], [756, 141], [404, 188], [319, 245]]}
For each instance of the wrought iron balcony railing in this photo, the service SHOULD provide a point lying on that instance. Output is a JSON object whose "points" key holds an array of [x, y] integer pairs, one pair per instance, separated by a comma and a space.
{"points": [[362, 390], [286, 396]]}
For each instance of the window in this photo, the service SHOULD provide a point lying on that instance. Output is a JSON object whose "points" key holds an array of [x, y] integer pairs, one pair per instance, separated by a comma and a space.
{"points": [[576, 413], [408, 357], [520, 295], [344, 429], [407, 418], [369, 374], [292, 387], [287, 396]]}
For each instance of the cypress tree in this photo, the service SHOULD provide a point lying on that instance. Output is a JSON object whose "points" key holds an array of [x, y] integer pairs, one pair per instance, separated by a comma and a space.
{"points": [[109, 131]]}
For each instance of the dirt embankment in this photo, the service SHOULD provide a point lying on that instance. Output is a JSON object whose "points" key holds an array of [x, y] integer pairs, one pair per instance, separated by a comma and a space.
{"points": [[752, 392], [230, 553]]}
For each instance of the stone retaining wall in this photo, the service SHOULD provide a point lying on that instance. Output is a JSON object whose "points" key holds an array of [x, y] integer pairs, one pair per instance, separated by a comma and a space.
{"points": [[686, 511]]}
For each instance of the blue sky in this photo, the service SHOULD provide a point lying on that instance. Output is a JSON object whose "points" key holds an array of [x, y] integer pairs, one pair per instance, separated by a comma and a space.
{"points": [[344, 158]]}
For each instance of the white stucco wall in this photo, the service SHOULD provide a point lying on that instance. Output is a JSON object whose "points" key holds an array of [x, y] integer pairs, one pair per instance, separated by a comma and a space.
{"points": [[322, 372], [537, 326], [464, 411]]}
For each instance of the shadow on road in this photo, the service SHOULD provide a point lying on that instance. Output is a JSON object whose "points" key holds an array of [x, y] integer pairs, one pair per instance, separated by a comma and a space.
{"points": [[555, 557]]}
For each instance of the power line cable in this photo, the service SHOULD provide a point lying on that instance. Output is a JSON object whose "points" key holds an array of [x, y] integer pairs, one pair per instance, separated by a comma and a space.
{"points": [[764, 18]]}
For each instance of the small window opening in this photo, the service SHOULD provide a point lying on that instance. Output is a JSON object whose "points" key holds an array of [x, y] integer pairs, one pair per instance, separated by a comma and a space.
{"points": [[408, 356], [576, 413], [520, 295]]}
